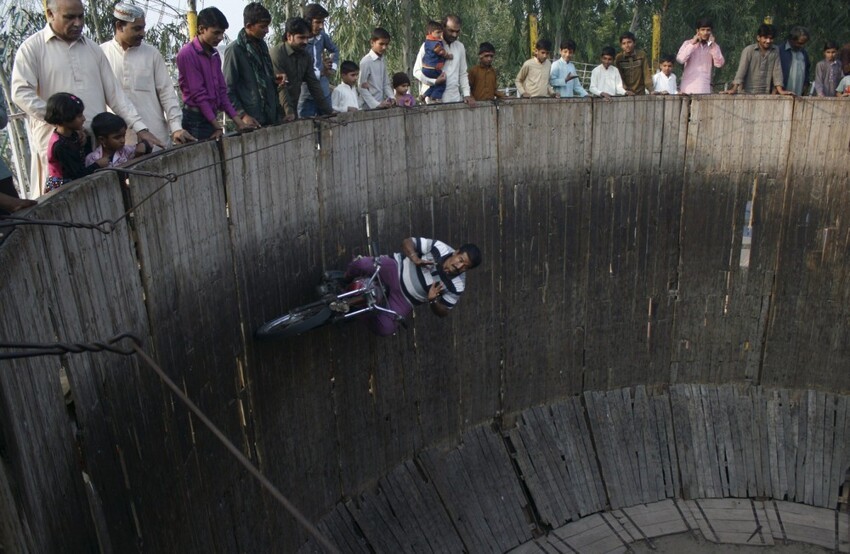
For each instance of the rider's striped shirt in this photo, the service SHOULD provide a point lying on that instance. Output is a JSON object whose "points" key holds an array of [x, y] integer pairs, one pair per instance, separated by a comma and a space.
{"points": [[415, 280]]}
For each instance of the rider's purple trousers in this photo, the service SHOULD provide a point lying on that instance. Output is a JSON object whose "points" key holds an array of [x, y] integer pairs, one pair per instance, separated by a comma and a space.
{"points": [[381, 323]]}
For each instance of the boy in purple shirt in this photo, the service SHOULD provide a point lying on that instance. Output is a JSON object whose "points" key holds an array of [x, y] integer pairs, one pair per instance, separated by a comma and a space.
{"points": [[202, 82]]}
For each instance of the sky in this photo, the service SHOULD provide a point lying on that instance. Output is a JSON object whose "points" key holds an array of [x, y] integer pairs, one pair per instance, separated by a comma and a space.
{"points": [[156, 13], [232, 10]]}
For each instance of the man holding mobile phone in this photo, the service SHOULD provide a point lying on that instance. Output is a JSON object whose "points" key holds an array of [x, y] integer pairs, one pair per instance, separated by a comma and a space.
{"points": [[698, 55]]}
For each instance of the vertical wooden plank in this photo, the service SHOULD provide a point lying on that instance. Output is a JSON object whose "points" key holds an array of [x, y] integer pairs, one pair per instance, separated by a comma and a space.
{"points": [[667, 445], [812, 267], [721, 301], [839, 451], [544, 222], [585, 454], [635, 197], [684, 444], [743, 423], [801, 447], [708, 442], [48, 500]]}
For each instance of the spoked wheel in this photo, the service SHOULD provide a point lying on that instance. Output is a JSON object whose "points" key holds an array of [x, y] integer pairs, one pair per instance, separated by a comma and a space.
{"points": [[300, 320]]}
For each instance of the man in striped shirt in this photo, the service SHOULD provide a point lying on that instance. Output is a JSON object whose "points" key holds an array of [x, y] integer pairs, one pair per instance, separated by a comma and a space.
{"points": [[427, 270]]}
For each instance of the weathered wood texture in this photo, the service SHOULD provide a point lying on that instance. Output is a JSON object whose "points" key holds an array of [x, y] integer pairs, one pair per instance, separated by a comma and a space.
{"points": [[808, 332], [723, 297], [571, 473], [721, 521], [75, 285], [636, 242]]}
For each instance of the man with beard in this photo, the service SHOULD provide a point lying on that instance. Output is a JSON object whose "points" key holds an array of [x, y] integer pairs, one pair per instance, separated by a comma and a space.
{"points": [[455, 72], [292, 60], [248, 69], [142, 73], [60, 59], [426, 270], [795, 63]]}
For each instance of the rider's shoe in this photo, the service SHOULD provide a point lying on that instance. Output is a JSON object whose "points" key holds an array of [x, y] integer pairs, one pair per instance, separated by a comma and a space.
{"points": [[339, 306]]}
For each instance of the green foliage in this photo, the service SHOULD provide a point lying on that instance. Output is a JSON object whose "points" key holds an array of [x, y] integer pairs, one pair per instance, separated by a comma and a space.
{"points": [[18, 22]]}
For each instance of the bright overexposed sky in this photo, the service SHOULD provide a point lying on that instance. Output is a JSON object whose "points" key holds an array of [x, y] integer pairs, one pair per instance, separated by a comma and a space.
{"points": [[232, 10], [157, 12]]}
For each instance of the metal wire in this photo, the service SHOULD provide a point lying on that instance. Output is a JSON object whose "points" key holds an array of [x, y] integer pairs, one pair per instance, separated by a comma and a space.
{"points": [[240, 457], [31, 350], [53, 349]]}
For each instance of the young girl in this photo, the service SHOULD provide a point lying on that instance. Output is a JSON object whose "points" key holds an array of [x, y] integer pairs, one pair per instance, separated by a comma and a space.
{"points": [[110, 131], [66, 149], [401, 85]]}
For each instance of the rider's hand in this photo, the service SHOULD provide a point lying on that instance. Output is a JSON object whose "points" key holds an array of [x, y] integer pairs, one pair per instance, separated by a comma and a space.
{"points": [[419, 262], [435, 291]]}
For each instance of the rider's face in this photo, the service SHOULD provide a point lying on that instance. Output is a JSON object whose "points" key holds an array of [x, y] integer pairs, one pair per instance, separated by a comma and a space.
{"points": [[456, 264]]}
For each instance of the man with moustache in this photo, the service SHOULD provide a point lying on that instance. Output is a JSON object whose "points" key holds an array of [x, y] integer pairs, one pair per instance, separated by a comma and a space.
{"points": [[60, 59], [425, 271], [455, 71], [292, 60], [141, 70]]}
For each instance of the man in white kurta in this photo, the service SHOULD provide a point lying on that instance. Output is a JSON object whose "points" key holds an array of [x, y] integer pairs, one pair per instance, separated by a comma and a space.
{"points": [[140, 69], [454, 71], [60, 59]]}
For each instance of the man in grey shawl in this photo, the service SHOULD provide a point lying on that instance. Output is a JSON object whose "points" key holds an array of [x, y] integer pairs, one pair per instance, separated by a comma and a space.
{"points": [[249, 72]]}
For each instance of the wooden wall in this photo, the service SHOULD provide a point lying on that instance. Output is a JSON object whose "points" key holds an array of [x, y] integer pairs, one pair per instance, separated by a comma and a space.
{"points": [[613, 239], [559, 463]]}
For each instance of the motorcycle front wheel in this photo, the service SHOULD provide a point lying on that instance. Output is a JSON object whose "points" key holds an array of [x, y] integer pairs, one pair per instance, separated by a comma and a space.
{"points": [[298, 321]]}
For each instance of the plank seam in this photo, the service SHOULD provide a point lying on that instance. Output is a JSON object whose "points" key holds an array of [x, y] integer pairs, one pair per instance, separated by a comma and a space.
{"points": [[707, 522], [758, 529], [682, 515], [613, 530], [632, 521], [779, 520]]}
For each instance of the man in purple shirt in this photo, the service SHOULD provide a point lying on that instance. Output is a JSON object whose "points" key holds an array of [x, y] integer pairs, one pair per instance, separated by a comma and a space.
{"points": [[698, 55], [202, 82]]}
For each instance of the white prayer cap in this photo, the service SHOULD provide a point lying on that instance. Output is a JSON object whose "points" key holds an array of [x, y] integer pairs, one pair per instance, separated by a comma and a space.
{"points": [[125, 11]]}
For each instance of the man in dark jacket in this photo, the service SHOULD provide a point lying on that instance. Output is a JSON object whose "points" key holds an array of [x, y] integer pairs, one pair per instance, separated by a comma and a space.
{"points": [[292, 60], [248, 69], [795, 61]]}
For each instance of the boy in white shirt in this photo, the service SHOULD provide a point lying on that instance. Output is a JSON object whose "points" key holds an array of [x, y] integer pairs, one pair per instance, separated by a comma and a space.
{"points": [[346, 96], [605, 79], [664, 82]]}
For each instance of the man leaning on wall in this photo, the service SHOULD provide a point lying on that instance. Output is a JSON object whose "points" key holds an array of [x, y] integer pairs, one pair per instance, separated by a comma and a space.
{"points": [[248, 69], [60, 59], [141, 70]]}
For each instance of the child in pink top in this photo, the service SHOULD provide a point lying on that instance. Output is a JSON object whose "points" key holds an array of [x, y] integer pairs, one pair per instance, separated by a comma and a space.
{"points": [[110, 131], [67, 146], [401, 86]]}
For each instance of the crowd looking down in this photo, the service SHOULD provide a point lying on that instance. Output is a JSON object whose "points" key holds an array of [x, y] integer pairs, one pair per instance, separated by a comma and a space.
{"points": [[63, 80]]}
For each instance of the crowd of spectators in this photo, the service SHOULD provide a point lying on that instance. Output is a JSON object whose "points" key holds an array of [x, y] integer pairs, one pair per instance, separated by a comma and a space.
{"points": [[62, 79]]}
